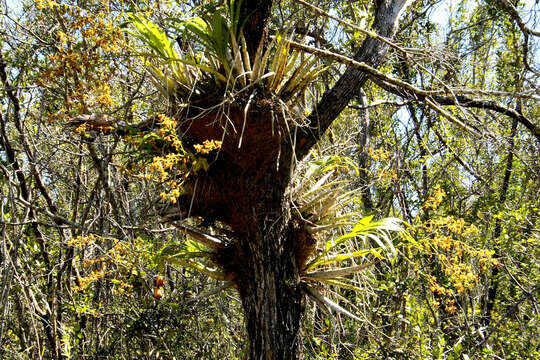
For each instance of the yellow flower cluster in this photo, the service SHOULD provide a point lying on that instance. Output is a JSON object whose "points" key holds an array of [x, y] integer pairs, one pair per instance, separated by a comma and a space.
{"points": [[168, 132], [81, 129], [462, 276], [167, 123], [76, 66], [445, 240], [174, 193], [486, 259], [115, 255], [85, 281], [82, 241], [434, 201], [207, 146], [104, 98], [163, 165], [448, 239], [171, 168], [122, 288], [118, 254], [174, 167], [450, 306], [105, 264], [387, 175], [46, 4], [62, 37], [93, 261], [378, 154], [454, 226], [436, 288]]}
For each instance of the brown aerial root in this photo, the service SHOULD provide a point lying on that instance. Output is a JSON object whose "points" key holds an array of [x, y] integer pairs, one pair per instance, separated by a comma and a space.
{"points": [[250, 139], [305, 244]]}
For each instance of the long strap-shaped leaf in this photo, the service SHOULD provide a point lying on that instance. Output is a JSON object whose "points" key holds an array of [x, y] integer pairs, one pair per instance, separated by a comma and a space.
{"points": [[333, 274], [215, 274], [342, 283], [374, 230], [197, 235], [325, 260], [319, 298], [210, 293]]}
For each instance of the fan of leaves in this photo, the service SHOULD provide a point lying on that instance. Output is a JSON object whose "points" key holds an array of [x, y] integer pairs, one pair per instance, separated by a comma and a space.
{"points": [[218, 58], [349, 242]]}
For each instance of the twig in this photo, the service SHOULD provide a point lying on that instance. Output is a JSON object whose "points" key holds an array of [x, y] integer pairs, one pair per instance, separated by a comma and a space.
{"points": [[200, 236]]}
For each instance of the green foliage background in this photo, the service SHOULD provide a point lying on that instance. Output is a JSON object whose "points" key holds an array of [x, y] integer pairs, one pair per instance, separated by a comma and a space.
{"points": [[471, 203]]}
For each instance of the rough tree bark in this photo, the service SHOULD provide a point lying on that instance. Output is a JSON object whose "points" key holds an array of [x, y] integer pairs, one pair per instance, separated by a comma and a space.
{"points": [[271, 295]]}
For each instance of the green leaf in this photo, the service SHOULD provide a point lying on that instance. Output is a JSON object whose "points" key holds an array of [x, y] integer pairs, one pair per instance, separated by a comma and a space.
{"points": [[321, 261], [341, 284]]}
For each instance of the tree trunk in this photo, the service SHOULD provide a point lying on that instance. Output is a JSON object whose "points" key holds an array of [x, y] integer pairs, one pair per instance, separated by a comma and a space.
{"points": [[270, 283], [333, 102], [272, 300], [246, 189]]}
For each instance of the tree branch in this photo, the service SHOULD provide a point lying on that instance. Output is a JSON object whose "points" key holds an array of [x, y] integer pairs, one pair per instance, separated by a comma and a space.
{"points": [[336, 99], [102, 123], [463, 101], [514, 14], [199, 236]]}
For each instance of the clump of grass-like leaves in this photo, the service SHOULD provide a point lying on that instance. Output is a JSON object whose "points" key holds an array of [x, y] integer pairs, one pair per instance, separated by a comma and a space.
{"points": [[350, 242], [217, 57]]}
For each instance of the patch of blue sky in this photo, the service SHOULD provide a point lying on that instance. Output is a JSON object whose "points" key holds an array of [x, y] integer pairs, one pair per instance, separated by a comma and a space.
{"points": [[13, 7]]}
